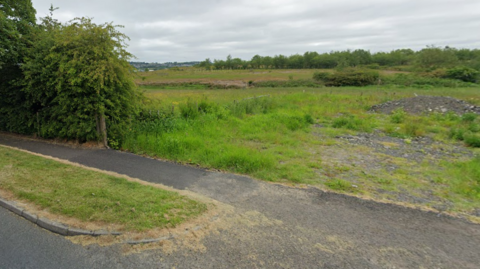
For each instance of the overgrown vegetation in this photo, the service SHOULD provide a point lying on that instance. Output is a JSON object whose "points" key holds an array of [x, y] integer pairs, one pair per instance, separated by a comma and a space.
{"points": [[66, 79], [91, 196], [349, 77]]}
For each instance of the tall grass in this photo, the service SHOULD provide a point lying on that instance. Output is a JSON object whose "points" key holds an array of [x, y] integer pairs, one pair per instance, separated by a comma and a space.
{"points": [[267, 132]]}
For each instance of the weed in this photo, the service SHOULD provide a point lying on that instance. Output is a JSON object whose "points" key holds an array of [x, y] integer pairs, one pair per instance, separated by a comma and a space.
{"points": [[472, 140], [383, 181], [474, 127], [353, 123], [414, 128], [340, 185], [469, 117], [457, 133], [398, 116], [465, 177]]}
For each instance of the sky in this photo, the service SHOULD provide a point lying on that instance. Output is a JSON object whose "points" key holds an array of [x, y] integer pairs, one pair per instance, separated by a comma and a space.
{"points": [[193, 30]]}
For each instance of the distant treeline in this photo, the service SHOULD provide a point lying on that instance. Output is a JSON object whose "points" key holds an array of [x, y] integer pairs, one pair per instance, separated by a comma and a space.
{"points": [[157, 66], [429, 58]]}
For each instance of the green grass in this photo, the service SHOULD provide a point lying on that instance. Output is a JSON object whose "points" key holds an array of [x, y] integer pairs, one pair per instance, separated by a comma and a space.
{"points": [[194, 74], [92, 196], [279, 134], [466, 177], [191, 74]]}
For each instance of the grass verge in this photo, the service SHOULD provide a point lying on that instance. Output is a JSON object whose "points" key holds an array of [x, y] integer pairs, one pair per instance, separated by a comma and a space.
{"points": [[91, 196]]}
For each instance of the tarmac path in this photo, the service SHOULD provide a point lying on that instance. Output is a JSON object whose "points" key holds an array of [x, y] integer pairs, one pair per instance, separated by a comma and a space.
{"points": [[269, 226]]}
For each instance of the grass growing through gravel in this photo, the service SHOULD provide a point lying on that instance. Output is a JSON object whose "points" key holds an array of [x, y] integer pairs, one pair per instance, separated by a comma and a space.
{"points": [[464, 178], [92, 196]]}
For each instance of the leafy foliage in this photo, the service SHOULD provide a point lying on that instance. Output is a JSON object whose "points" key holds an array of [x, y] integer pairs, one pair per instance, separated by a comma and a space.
{"points": [[17, 22], [71, 74], [17, 18], [349, 77], [463, 73]]}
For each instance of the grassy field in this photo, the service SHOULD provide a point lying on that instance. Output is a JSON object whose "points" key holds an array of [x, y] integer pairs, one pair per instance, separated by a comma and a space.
{"points": [[193, 74], [90, 196], [196, 74], [287, 135]]}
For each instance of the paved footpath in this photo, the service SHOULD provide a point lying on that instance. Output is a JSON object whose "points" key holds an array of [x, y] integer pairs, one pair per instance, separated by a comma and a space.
{"points": [[271, 226]]}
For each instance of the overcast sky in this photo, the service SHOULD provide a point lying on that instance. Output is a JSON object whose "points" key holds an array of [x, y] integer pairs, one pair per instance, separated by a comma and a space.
{"points": [[190, 30]]}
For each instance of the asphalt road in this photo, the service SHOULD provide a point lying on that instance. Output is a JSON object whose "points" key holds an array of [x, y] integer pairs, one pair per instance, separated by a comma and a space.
{"points": [[270, 226]]}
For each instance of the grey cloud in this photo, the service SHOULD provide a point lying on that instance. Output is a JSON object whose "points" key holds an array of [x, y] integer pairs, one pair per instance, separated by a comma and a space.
{"points": [[185, 30]]}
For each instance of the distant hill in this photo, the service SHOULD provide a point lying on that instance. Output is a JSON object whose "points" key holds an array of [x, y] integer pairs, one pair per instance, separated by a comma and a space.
{"points": [[142, 66]]}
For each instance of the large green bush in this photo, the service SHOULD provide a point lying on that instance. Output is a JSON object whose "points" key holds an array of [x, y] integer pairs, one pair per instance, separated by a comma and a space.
{"points": [[349, 77], [17, 22], [72, 76], [463, 73]]}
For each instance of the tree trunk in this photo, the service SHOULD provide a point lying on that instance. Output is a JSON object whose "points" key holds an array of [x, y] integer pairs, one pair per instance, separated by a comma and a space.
{"points": [[103, 128]]}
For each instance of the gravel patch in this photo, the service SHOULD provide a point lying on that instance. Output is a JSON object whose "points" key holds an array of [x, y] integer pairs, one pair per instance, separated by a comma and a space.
{"points": [[427, 104], [416, 149]]}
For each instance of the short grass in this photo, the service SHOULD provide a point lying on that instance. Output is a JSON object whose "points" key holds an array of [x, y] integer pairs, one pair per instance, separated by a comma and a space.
{"points": [[278, 134], [92, 196]]}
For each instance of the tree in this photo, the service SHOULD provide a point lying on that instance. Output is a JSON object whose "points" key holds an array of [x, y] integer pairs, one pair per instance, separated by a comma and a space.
{"points": [[308, 59], [78, 75], [433, 57], [17, 18], [256, 61], [360, 57], [325, 61], [295, 61], [17, 22], [228, 62], [207, 64], [280, 61]]}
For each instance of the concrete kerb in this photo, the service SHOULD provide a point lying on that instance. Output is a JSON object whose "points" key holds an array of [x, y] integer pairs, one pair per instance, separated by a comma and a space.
{"points": [[64, 230], [49, 225]]}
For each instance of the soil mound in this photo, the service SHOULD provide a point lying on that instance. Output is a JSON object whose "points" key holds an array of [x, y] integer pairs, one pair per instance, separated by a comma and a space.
{"points": [[427, 104]]}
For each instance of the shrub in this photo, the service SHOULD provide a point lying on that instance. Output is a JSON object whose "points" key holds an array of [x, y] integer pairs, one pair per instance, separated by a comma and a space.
{"points": [[76, 74], [410, 80], [398, 116], [321, 76], [309, 119], [414, 128], [463, 73], [469, 117], [373, 66], [472, 140], [473, 127], [189, 110], [352, 123], [352, 77], [457, 133]]}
